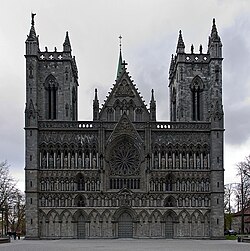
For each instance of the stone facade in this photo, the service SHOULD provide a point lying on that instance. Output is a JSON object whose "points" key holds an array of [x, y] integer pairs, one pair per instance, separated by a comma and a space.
{"points": [[124, 174]]}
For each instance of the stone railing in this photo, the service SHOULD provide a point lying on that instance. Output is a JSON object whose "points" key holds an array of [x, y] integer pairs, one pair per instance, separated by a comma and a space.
{"points": [[181, 125], [68, 124], [111, 125]]}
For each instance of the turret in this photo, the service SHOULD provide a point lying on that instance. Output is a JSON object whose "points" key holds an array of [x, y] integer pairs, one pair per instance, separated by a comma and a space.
{"points": [[95, 107], [214, 43], [32, 42], [152, 107]]}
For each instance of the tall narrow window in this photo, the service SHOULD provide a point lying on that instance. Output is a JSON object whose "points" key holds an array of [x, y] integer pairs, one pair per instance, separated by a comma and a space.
{"points": [[196, 89], [51, 87]]}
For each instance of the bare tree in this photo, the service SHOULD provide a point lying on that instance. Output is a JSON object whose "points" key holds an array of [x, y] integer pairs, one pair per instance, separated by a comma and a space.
{"points": [[16, 214], [243, 188], [8, 188], [11, 198]]}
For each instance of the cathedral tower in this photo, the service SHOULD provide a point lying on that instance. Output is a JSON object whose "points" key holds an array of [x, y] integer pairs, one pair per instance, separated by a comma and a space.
{"points": [[51, 94], [195, 83]]}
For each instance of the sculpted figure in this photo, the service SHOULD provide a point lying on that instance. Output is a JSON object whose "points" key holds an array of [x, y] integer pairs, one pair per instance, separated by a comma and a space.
{"points": [[184, 162], [79, 162], [44, 164], [163, 162], [51, 161], [87, 162]]}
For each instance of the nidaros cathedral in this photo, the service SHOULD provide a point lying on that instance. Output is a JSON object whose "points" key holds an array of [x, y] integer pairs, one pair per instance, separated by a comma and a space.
{"points": [[123, 174]]}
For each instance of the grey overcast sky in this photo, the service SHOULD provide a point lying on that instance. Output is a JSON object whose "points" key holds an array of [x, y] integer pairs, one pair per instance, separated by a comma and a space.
{"points": [[149, 29]]}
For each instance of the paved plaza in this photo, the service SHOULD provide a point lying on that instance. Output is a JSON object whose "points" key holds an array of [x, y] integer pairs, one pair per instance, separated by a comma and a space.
{"points": [[124, 244]]}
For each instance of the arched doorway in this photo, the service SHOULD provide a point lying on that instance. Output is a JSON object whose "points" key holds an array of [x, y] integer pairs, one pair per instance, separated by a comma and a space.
{"points": [[81, 227], [169, 228], [125, 226]]}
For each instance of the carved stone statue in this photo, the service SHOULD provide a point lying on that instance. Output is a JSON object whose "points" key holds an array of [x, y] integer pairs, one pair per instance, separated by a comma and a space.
{"points": [[65, 164], [191, 161], [170, 162], [51, 161], [205, 162], [94, 162], [198, 162], [44, 162], [184, 162], [79, 161], [87, 162], [58, 162], [163, 162], [177, 162]]}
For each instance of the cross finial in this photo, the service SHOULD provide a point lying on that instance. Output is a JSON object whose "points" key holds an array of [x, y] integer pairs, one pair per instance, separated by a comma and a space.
{"points": [[32, 18], [120, 37]]}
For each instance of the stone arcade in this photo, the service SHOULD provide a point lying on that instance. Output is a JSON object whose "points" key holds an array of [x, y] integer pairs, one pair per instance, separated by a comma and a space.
{"points": [[124, 174]]}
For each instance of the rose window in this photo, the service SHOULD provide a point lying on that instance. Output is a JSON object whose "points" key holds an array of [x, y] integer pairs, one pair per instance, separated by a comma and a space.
{"points": [[124, 159]]}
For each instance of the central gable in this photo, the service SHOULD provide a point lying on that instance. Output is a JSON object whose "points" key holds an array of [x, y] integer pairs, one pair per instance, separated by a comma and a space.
{"points": [[124, 98]]}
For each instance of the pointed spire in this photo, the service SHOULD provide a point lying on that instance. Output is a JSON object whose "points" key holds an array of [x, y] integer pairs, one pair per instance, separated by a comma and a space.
{"points": [[96, 98], [32, 42], [214, 42], [96, 107], [152, 107], [66, 44], [119, 68], [214, 33], [32, 34], [180, 45], [152, 95]]}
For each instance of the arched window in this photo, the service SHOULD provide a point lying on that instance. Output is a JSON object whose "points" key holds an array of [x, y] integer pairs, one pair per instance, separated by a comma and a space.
{"points": [[110, 114], [80, 201], [138, 114], [170, 201], [51, 87], [196, 89]]}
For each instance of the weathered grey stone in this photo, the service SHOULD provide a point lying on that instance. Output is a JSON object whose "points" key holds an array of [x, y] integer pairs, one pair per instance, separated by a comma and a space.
{"points": [[124, 174]]}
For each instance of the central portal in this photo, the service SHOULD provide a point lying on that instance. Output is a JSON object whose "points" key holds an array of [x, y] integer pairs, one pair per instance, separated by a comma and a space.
{"points": [[125, 226]]}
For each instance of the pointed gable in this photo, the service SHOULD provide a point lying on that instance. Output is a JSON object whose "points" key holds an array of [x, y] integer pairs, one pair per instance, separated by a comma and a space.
{"points": [[124, 97], [125, 127]]}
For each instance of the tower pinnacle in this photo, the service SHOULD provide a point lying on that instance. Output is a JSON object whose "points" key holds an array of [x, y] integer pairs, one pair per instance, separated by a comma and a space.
{"points": [[66, 44], [32, 34], [180, 45]]}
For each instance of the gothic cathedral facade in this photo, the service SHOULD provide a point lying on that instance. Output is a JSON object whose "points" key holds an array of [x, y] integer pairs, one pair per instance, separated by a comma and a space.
{"points": [[124, 174]]}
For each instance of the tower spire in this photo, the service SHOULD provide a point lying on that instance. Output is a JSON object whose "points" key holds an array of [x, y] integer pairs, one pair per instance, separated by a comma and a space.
{"points": [[32, 34], [214, 33], [32, 42], [119, 68], [180, 45], [214, 42], [66, 44]]}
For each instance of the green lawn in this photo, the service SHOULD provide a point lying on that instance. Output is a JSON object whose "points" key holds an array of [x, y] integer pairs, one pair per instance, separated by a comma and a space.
{"points": [[231, 237]]}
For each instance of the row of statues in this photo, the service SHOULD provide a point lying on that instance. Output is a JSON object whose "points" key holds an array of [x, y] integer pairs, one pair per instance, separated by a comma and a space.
{"points": [[182, 161], [62, 201], [66, 161], [70, 185]]}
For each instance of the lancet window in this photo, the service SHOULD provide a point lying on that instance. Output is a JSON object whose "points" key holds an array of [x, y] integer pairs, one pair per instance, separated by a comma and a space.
{"points": [[51, 87], [197, 104]]}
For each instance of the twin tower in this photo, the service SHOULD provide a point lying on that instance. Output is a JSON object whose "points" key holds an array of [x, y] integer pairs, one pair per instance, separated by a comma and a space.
{"points": [[124, 174]]}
